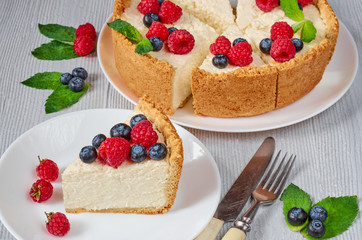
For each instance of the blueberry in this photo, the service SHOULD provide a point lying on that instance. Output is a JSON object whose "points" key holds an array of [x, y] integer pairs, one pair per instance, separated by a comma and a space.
{"points": [[265, 45], [298, 44], [88, 154], [80, 72], [300, 6], [297, 216], [136, 119], [171, 30], [316, 228], [138, 153], [149, 18], [157, 151], [220, 61], [160, 2], [157, 43], [98, 139], [65, 78], [76, 84], [318, 213], [239, 40], [121, 130]]}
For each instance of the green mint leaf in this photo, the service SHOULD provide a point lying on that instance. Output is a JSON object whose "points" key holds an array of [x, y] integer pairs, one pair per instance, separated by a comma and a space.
{"points": [[45, 80], [63, 97], [58, 32], [341, 213], [144, 47], [54, 50], [293, 196], [291, 9], [308, 32], [126, 29], [297, 26]]}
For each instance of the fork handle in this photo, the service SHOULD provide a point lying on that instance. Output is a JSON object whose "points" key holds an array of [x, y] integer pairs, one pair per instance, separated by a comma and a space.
{"points": [[234, 234]]}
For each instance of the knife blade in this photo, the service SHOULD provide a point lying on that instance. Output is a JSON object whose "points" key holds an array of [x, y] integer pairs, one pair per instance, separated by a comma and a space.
{"points": [[238, 194]]}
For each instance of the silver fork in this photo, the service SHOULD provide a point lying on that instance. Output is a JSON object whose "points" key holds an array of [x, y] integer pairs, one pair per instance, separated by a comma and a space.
{"points": [[267, 191]]}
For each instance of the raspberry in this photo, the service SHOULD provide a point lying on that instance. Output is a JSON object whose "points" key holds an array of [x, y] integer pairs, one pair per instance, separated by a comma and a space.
{"points": [[282, 49], [41, 191], [159, 30], [169, 12], [240, 54], [222, 45], [57, 224], [267, 5], [305, 2], [47, 170], [148, 6], [113, 151], [143, 134], [180, 42], [83, 45], [86, 30], [280, 29]]}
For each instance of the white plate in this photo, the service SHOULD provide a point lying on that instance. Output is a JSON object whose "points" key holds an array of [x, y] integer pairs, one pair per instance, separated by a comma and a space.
{"points": [[337, 79], [60, 139]]}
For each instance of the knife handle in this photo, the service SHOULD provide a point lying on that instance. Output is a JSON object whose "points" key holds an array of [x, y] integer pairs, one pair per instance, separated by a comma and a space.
{"points": [[211, 230], [234, 234]]}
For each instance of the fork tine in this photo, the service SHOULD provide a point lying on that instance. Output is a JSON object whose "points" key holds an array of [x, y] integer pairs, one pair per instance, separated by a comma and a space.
{"points": [[281, 184], [279, 174], [266, 176], [276, 172]]}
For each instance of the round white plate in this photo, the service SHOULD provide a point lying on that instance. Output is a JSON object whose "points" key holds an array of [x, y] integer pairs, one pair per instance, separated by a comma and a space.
{"points": [[60, 139], [337, 79]]}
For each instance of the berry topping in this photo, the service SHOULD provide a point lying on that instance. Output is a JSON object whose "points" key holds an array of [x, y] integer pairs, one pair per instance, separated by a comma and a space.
{"points": [[300, 6], [41, 191], [136, 119], [305, 2], [157, 43], [47, 170], [65, 78], [240, 54], [157, 151], [222, 45], [157, 29], [149, 18], [83, 45], [169, 12], [298, 44], [98, 139], [113, 151], [80, 72], [239, 40], [171, 30], [86, 30], [148, 6], [121, 130], [281, 29], [267, 5], [138, 153], [316, 229], [88, 154], [144, 134], [76, 84], [297, 216], [265, 45], [220, 61], [180, 42], [282, 49], [318, 213], [160, 2], [57, 224]]}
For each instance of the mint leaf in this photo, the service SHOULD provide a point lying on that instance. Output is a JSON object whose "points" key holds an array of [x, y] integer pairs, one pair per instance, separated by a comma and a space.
{"points": [[144, 47], [58, 32], [293, 196], [45, 80], [297, 26], [54, 50], [308, 32], [341, 213], [126, 29], [291, 9], [63, 97]]}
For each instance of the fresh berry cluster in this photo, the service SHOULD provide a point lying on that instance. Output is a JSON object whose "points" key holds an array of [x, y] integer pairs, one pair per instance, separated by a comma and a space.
{"points": [[269, 5], [240, 54], [75, 81], [85, 39], [162, 11], [317, 215], [135, 142]]}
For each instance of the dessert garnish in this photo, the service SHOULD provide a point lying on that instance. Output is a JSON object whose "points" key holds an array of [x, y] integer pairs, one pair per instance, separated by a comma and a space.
{"points": [[41, 190], [47, 170], [323, 220], [57, 224]]}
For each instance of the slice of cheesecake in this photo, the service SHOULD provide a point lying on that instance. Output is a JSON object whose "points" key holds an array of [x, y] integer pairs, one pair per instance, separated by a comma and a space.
{"points": [[147, 187]]}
